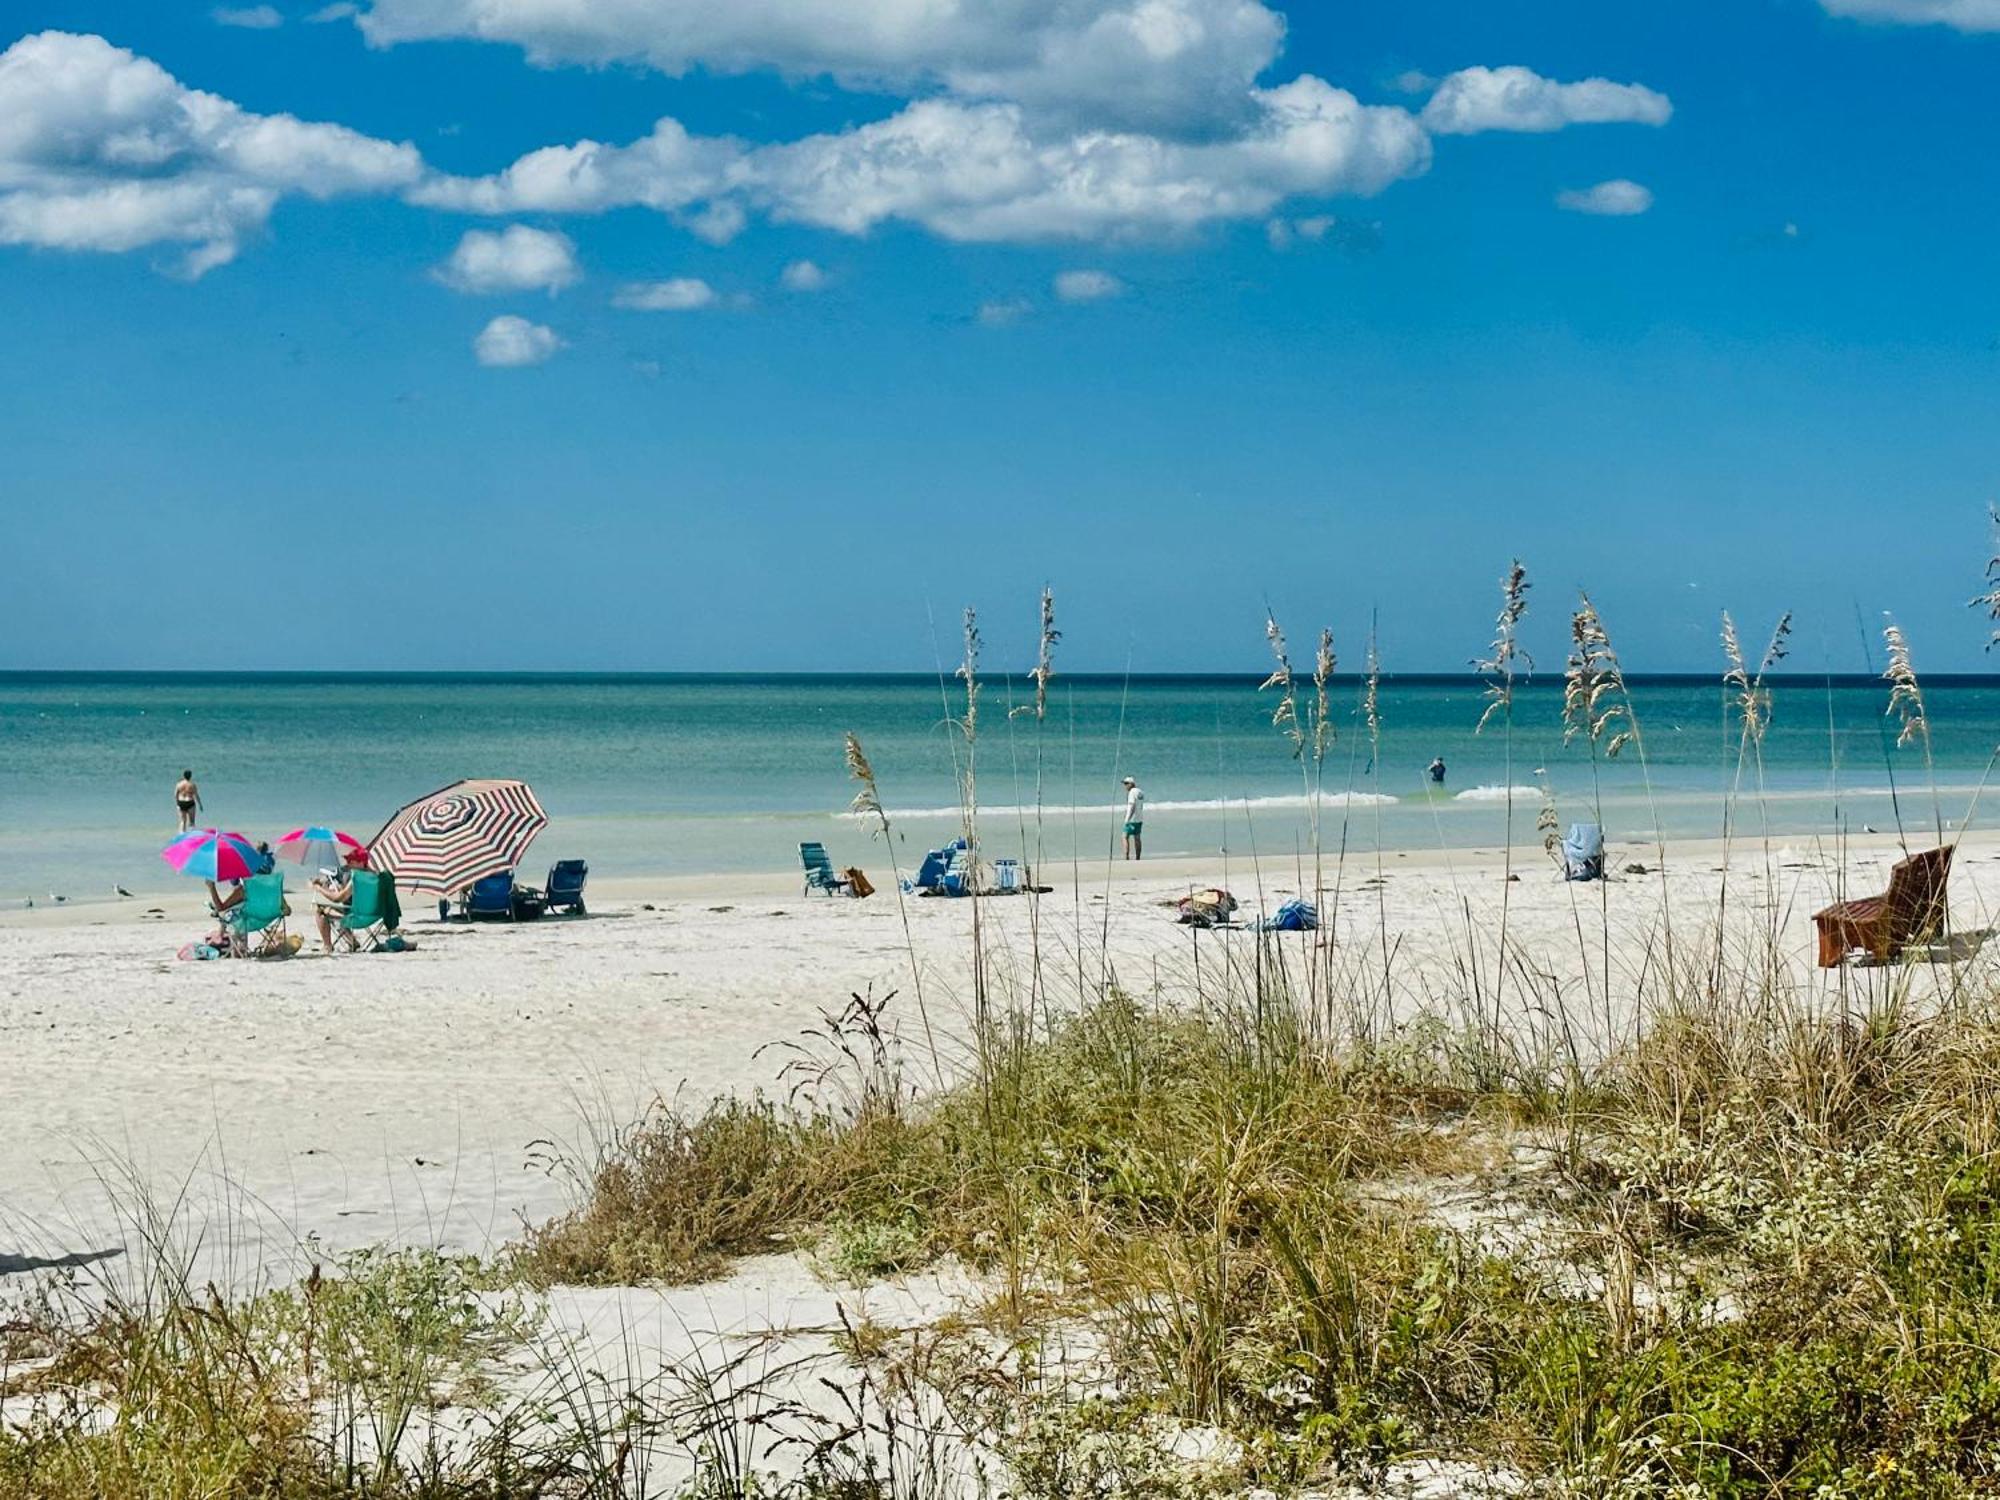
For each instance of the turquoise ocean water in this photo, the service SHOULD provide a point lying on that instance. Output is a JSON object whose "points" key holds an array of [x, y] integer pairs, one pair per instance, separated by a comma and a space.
{"points": [[694, 774]]}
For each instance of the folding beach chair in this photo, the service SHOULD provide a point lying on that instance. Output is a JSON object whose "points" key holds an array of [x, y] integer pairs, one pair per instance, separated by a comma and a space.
{"points": [[943, 871], [820, 873], [372, 909], [260, 915], [1583, 852], [491, 897], [565, 887]]}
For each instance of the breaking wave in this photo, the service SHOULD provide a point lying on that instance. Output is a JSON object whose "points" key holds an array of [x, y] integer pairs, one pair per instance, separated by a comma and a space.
{"points": [[1296, 802]]}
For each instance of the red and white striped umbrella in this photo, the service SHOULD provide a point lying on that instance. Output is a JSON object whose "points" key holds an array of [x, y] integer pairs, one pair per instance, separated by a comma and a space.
{"points": [[459, 834]]}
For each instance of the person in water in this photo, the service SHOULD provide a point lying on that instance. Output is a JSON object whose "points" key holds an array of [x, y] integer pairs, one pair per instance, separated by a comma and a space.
{"points": [[187, 799], [1436, 769]]}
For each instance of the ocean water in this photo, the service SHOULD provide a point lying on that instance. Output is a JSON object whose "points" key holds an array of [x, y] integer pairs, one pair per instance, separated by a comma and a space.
{"points": [[692, 774]]}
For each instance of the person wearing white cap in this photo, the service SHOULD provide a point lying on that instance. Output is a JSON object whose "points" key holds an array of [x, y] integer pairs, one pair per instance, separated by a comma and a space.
{"points": [[1135, 818]]}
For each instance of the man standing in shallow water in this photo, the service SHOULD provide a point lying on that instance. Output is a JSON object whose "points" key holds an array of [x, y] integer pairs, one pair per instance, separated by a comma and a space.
{"points": [[187, 800], [1135, 818]]}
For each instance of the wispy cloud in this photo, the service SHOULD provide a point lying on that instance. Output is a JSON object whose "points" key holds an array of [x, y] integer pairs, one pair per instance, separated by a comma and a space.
{"points": [[1003, 311], [1087, 286], [677, 294], [803, 276], [1616, 198], [1961, 15], [248, 17]]}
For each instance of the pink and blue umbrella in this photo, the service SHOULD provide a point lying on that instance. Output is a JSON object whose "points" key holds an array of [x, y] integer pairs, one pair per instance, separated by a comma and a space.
{"points": [[317, 846], [210, 854]]}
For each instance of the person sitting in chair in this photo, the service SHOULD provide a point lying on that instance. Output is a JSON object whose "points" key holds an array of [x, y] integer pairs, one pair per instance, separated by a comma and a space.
{"points": [[333, 893]]}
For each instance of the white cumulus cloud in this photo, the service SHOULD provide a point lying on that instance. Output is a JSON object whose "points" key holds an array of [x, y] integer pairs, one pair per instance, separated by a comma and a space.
{"points": [[802, 276], [1514, 98], [1963, 15], [1130, 63], [248, 17], [509, 342], [104, 150], [678, 294], [1618, 197], [1087, 286], [977, 172], [514, 259]]}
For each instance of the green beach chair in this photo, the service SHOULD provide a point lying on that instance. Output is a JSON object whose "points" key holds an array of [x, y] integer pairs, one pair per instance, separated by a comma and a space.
{"points": [[257, 922], [372, 910]]}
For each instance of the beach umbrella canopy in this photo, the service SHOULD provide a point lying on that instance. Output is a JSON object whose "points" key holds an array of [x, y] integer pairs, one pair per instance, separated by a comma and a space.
{"points": [[317, 846], [459, 834], [211, 854]]}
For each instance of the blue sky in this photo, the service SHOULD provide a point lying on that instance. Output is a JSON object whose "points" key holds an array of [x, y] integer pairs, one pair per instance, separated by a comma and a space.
{"points": [[1180, 306]]}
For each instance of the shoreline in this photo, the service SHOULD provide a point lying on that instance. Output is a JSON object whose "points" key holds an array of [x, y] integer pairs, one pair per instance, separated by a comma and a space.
{"points": [[178, 893]]}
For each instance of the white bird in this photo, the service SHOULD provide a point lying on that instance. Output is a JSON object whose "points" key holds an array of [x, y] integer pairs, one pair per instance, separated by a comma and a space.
{"points": [[121, 890], [57, 899]]}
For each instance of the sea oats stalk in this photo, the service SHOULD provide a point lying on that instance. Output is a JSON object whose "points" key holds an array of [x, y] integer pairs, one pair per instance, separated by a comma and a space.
{"points": [[1597, 707], [1323, 736], [1499, 666], [1989, 599], [1906, 707], [1745, 693], [867, 803], [1371, 720], [1044, 672], [1285, 717]]}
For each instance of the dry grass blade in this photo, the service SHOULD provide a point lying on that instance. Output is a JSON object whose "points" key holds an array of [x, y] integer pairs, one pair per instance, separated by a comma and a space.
{"points": [[1906, 694], [968, 673], [1594, 703], [1990, 600], [1505, 654], [1323, 665], [1044, 660], [867, 801], [1753, 698], [1285, 717]]}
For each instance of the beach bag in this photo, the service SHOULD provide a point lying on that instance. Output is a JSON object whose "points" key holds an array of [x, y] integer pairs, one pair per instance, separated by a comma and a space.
{"points": [[857, 883], [1210, 908], [192, 951]]}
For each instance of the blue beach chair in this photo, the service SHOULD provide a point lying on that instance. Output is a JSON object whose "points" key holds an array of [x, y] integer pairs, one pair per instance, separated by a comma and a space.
{"points": [[820, 874], [945, 872], [565, 888], [491, 898], [1583, 852]]}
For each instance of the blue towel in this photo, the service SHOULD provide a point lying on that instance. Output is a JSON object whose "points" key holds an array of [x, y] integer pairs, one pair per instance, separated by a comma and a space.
{"points": [[1293, 916]]}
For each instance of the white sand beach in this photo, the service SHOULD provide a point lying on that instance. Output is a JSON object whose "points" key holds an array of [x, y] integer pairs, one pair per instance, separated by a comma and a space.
{"points": [[420, 1098]]}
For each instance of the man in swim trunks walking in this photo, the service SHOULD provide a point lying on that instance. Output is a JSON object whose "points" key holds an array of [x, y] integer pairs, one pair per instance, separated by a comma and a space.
{"points": [[187, 799], [1135, 818]]}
